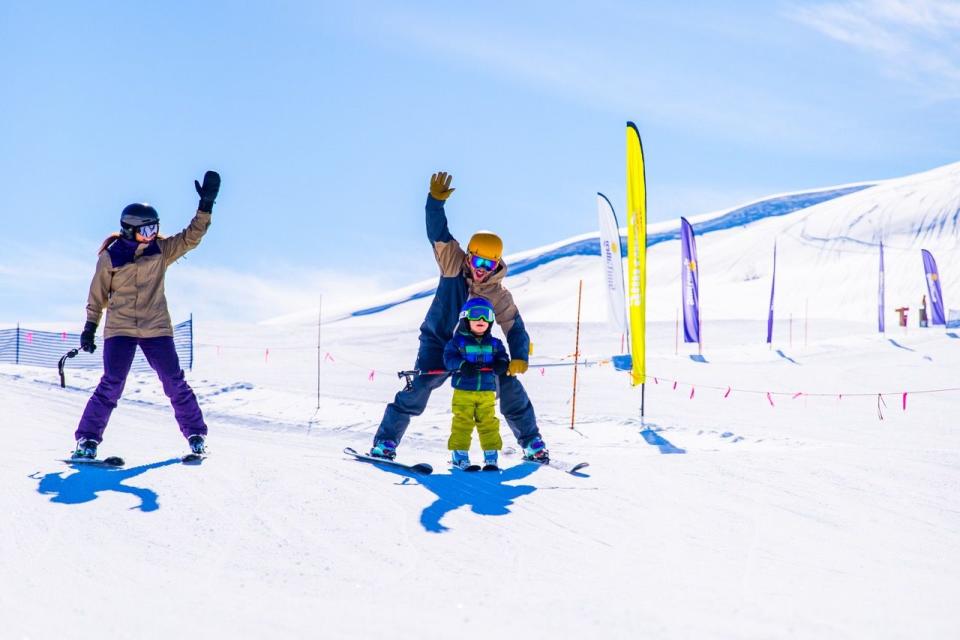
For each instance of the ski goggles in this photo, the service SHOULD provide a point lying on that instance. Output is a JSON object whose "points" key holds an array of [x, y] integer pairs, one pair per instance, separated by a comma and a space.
{"points": [[483, 263], [478, 313], [148, 230]]}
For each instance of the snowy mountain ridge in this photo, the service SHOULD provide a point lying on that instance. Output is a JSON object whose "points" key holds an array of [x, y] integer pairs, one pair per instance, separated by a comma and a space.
{"points": [[828, 251]]}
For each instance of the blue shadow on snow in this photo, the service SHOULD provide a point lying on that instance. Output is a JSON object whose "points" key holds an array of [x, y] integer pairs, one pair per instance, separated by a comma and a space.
{"points": [[699, 358], [900, 346], [951, 334], [484, 491], [90, 480], [654, 438], [786, 357]]}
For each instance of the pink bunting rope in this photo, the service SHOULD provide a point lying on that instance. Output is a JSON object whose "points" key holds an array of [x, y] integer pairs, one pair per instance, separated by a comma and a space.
{"points": [[727, 389]]}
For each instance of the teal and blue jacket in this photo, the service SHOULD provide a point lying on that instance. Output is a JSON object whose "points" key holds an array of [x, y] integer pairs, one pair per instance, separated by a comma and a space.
{"points": [[486, 351]]}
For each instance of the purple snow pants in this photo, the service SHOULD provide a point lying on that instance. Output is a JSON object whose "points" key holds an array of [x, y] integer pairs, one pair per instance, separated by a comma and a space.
{"points": [[118, 355]]}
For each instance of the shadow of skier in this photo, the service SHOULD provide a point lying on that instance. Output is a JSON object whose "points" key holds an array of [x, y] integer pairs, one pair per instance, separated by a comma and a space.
{"points": [[484, 492], [90, 480]]}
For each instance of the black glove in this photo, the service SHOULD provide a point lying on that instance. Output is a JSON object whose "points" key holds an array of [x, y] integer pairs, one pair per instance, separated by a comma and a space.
{"points": [[469, 368], [86, 337], [208, 190], [500, 367]]}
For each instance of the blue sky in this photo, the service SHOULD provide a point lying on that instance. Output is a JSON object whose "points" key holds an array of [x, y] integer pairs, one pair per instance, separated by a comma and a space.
{"points": [[326, 119]]}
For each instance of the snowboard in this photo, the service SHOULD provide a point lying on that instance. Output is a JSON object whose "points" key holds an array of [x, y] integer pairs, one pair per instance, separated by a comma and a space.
{"points": [[421, 467]]}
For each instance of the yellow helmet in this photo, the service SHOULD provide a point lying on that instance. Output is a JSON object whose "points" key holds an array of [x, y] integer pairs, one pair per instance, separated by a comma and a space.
{"points": [[486, 245]]}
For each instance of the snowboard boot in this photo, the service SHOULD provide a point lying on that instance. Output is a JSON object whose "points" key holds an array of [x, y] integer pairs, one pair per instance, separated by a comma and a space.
{"points": [[386, 449], [197, 444], [86, 449], [490, 457], [536, 451], [460, 458]]}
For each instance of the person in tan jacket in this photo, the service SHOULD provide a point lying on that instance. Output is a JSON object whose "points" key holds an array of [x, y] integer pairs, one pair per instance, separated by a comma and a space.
{"points": [[129, 284], [478, 271]]}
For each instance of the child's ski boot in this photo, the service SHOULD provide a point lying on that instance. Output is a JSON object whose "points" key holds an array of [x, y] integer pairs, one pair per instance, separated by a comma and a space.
{"points": [[490, 460], [461, 460]]}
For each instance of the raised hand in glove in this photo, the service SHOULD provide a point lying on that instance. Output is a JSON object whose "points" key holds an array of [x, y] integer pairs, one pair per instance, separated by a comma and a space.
{"points": [[208, 190], [86, 337], [469, 368], [516, 367], [440, 185]]}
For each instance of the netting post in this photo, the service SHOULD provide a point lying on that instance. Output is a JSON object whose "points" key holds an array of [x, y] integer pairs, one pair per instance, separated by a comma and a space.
{"points": [[191, 341]]}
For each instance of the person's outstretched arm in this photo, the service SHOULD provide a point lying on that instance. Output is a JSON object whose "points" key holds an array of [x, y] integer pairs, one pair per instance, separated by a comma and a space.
{"points": [[176, 246], [447, 251]]}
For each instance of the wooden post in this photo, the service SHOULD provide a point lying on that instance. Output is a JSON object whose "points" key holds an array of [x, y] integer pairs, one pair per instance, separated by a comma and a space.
{"points": [[576, 359]]}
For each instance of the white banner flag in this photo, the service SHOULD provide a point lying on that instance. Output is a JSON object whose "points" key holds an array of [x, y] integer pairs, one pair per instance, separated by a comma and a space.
{"points": [[612, 263]]}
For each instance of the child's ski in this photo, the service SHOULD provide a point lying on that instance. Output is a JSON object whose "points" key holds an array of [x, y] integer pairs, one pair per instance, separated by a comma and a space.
{"points": [[421, 467], [193, 458]]}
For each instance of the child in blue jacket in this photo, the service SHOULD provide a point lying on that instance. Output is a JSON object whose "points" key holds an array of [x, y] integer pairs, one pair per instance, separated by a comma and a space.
{"points": [[477, 358]]}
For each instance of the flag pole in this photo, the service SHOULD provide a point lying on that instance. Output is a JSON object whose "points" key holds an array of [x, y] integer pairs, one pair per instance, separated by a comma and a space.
{"points": [[319, 359]]}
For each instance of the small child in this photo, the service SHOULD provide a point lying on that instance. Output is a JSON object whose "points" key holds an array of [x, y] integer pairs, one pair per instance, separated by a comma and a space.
{"points": [[477, 358]]}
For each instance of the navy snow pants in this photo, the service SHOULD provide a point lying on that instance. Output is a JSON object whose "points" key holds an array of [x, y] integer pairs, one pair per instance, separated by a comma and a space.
{"points": [[515, 405]]}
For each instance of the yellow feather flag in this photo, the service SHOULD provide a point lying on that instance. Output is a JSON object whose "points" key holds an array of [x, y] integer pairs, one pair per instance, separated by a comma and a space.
{"points": [[637, 254]]}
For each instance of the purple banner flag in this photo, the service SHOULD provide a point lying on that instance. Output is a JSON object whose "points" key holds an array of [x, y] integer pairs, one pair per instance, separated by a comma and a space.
{"points": [[880, 292], [937, 316], [690, 281], [773, 284]]}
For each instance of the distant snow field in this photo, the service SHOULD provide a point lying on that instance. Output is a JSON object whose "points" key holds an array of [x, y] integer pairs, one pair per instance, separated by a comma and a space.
{"points": [[784, 491]]}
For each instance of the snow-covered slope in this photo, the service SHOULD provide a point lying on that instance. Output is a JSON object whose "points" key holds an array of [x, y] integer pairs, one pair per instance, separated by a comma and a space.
{"points": [[792, 492]]}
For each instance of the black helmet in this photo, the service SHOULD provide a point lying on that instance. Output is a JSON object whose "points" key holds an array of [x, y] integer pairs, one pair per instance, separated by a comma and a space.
{"points": [[135, 216]]}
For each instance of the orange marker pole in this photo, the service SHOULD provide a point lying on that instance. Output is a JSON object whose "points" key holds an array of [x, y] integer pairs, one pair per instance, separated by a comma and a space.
{"points": [[576, 359]]}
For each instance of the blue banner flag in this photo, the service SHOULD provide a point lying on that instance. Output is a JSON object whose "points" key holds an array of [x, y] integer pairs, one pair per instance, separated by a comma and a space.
{"points": [[690, 283], [880, 292], [937, 315]]}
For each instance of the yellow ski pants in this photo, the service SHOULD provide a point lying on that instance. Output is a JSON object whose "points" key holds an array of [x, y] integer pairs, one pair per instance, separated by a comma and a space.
{"points": [[474, 408]]}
